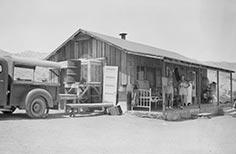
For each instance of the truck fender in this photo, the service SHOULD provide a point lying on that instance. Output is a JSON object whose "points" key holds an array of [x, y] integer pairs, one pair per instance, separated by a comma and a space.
{"points": [[39, 92]]}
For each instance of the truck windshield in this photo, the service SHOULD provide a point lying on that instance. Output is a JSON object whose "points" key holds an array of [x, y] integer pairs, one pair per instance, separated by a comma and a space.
{"points": [[37, 74]]}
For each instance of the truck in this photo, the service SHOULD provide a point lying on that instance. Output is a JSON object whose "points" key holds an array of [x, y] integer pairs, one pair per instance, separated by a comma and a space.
{"points": [[21, 88]]}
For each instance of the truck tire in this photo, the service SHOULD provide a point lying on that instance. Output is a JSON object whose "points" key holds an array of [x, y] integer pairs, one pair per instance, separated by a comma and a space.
{"points": [[37, 103]]}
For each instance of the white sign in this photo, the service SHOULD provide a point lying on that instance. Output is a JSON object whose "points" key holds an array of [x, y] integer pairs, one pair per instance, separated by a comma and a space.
{"points": [[110, 82]]}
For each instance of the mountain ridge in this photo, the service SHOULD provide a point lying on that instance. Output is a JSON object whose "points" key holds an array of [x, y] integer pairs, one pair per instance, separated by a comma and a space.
{"points": [[27, 54]]}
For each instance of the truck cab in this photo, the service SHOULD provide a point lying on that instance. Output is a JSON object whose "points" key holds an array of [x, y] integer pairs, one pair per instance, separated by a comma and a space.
{"points": [[28, 84]]}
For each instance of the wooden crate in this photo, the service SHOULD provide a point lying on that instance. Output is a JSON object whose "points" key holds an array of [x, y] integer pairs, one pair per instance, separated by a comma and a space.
{"points": [[92, 70]]}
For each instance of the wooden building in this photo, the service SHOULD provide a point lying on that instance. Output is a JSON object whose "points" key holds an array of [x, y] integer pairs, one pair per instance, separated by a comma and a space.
{"points": [[135, 61]]}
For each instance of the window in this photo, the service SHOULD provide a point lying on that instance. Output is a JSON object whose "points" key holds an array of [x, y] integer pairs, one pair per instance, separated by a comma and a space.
{"points": [[0, 68]]}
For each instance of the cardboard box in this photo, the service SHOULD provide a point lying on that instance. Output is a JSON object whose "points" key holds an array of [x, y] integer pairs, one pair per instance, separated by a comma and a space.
{"points": [[116, 110]]}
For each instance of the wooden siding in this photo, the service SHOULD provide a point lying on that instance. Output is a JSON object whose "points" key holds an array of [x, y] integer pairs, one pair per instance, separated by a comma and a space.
{"points": [[112, 54], [87, 47], [134, 61], [83, 46]]}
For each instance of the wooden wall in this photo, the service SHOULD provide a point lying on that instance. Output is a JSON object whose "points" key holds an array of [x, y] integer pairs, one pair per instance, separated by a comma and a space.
{"points": [[83, 46], [133, 61]]}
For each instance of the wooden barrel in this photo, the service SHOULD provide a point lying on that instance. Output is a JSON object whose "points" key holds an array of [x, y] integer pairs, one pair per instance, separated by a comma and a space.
{"points": [[73, 71]]}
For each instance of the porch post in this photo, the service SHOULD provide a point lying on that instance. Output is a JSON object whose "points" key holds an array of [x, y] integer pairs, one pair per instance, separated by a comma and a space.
{"points": [[231, 88], [218, 87], [163, 91], [199, 90]]}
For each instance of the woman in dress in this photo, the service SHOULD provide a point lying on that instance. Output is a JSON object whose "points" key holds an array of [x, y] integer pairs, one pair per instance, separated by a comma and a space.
{"points": [[183, 85], [190, 92]]}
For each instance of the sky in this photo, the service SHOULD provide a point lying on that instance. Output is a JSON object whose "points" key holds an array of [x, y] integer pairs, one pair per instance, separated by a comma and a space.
{"points": [[200, 29]]}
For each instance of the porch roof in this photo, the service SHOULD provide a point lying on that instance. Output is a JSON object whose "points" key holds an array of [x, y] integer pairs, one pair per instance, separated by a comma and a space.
{"points": [[142, 50]]}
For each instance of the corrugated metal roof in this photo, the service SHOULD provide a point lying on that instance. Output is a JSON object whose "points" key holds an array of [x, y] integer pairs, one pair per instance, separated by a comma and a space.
{"points": [[140, 48], [133, 47]]}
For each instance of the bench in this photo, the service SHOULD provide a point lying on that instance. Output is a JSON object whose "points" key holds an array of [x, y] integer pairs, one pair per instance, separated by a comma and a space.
{"points": [[206, 115], [71, 107]]}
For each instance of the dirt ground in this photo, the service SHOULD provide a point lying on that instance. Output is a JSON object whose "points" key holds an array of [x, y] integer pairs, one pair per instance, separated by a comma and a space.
{"points": [[126, 134]]}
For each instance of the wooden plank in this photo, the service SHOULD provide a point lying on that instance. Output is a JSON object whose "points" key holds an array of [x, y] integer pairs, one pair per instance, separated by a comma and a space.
{"points": [[112, 56], [76, 50], [99, 51], [89, 72], [80, 49], [85, 47], [64, 53], [90, 47], [231, 88], [107, 54], [103, 49], [90, 105], [67, 51], [67, 96], [72, 53], [123, 68], [218, 87], [72, 107], [94, 49], [118, 63]]}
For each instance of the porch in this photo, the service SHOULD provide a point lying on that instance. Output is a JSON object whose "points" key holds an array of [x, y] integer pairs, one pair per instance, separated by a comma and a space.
{"points": [[189, 112], [151, 75]]}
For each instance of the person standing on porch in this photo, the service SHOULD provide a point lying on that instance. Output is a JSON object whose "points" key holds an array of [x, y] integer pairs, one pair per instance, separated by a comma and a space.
{"points": [[190, 92], [194, 92], [183, 91], [169, 92], [134, 95]]}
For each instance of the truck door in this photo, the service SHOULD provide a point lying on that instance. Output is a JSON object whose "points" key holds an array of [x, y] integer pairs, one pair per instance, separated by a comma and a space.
{"points": [[3, 81]]}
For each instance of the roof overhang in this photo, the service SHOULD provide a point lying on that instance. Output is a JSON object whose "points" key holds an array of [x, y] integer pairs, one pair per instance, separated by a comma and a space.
{"points": [[190, 62], [144, 55], [198, 65]]}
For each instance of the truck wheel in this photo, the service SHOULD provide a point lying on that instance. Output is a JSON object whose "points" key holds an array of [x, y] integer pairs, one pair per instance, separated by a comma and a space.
{"points": [[36, 103], [37, 108]]}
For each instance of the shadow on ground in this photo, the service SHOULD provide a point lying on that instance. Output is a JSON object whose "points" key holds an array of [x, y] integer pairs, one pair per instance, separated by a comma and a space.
{"points": [[61, 115]]}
